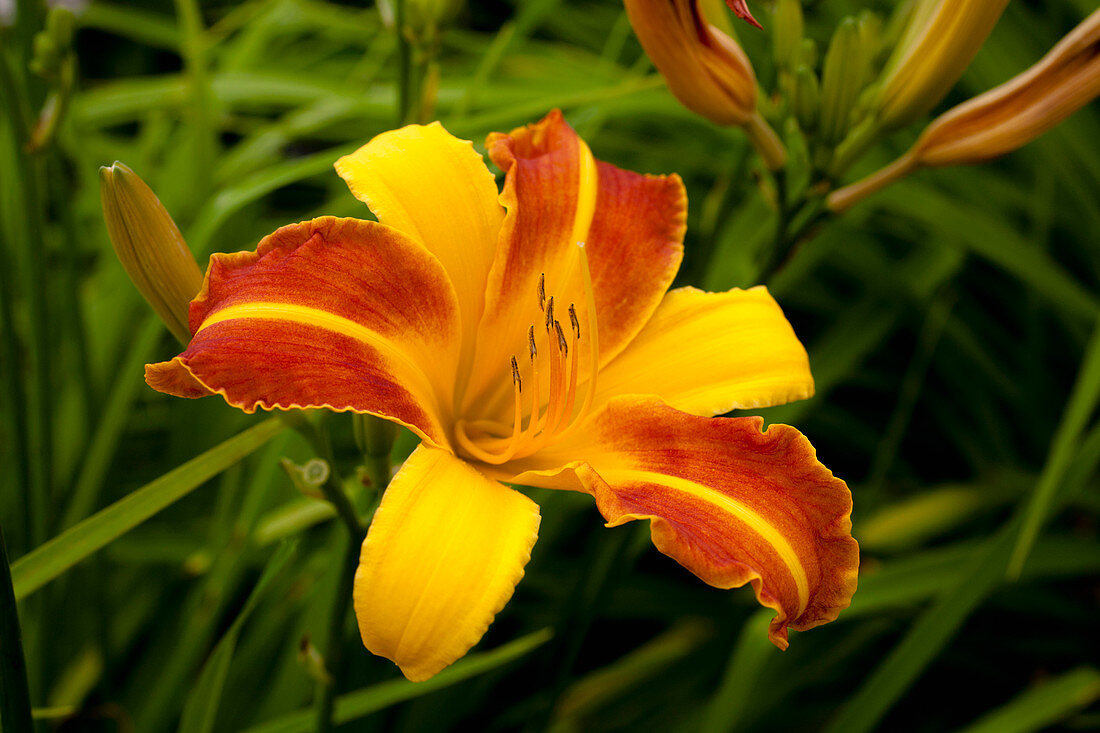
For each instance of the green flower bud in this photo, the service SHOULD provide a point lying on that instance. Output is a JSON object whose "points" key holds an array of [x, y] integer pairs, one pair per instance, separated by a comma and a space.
{"points": [[842, 80], [787, 33], [150, 247], [806, 101]]}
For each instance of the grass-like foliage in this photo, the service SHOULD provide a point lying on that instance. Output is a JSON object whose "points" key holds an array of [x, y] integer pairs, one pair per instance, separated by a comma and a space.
{"points": [[169, 571]]}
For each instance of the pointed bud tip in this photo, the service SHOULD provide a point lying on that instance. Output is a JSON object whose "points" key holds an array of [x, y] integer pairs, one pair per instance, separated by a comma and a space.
{"points": [[740, 8]]}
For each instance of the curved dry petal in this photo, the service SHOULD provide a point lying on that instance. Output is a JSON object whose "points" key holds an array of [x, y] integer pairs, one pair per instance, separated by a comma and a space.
{"points": [[1020, 110], [443, 555], [423, 181], [556, 195], [709, 353], [337, 313], [732, 504], [704, 68]]}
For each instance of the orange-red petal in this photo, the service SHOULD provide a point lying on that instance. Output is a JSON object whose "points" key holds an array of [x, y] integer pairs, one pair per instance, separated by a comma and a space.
{"points": [[731, 503], [556, 195], [337, 313]]}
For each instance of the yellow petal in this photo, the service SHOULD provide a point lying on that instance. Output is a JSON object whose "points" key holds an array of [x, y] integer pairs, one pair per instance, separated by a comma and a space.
{"points": [[708, 353], [434, 187], [443, 555]]}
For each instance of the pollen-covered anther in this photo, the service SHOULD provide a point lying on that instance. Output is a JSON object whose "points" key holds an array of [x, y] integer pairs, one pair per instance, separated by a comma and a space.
{"points": [[550, 313], [576, 324], [541, 290], [531, 343], [515, 375]]}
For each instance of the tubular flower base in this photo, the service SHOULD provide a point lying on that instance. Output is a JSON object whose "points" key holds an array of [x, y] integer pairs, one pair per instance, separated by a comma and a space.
{"points": [[1004, 118], [527, 338]]}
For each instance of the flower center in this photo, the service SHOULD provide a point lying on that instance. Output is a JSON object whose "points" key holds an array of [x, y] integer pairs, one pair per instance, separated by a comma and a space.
{"points": [[555, 357]]}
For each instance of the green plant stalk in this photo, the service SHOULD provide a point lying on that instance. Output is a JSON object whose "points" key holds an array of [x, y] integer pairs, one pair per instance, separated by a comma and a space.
{"points": [[192, 49], [39, 406], [377, 438], [15, 699], [405, 93], [333, 487]]}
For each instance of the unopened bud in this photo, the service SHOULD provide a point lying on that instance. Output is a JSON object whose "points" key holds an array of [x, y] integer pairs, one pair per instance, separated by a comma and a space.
{"points": [[1004, 118], [842, 80], [704, 68], [941, 39], [787, 34], [806, 100], [150, 247]]}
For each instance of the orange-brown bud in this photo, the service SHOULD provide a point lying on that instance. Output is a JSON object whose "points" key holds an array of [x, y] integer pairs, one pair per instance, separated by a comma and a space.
{"points": [[704, 68]]}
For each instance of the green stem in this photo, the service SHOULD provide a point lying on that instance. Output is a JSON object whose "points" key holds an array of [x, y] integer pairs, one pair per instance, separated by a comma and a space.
{"points": [[15, 699], [404, 66], [334, 647], [375, 437], [780, 243], [333, 487], [40, 404]]}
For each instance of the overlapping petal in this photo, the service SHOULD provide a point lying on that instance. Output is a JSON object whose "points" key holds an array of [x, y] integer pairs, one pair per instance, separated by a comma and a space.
{"points": [[556, 195], [709, 353], [443, 555], [435, 188], [337, 313], [732, 504]]}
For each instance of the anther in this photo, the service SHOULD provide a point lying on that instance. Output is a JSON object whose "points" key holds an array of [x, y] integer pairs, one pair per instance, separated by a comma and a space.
{"points": [[542, 291], [515, 374], [550, 313], [574, 322], [561, 339], [531, 342]]}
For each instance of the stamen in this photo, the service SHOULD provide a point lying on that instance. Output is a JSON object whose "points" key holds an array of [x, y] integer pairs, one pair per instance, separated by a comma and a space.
{"points": [[531, 342], [515, 375], [574, 322], [561, 339], [542, 291], [549, 312], [593, 345]]}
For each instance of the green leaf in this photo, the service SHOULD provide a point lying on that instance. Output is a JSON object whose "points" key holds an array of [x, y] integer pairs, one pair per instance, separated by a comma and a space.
{"points": [[1081, 405], [750, 655], [361, 703], [45, 563], [1043, 705], [201, 709]]}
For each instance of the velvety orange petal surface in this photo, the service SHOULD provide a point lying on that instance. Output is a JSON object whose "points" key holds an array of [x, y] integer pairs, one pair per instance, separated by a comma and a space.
{"points": [[728, 501], [337, 313], [708, 353], [556, 195]]}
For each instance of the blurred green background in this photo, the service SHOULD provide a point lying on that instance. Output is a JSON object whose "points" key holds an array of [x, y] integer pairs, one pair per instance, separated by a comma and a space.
{"points": [[948, 321]]}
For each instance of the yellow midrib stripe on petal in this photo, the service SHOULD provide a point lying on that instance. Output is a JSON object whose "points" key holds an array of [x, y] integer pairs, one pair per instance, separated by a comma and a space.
{"points": [[745, 514], [330, 322], [587, 190]]}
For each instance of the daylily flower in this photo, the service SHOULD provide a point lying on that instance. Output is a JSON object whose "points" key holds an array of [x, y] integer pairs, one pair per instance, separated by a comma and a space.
{"points": [[1003, 119], [526, 337]]}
